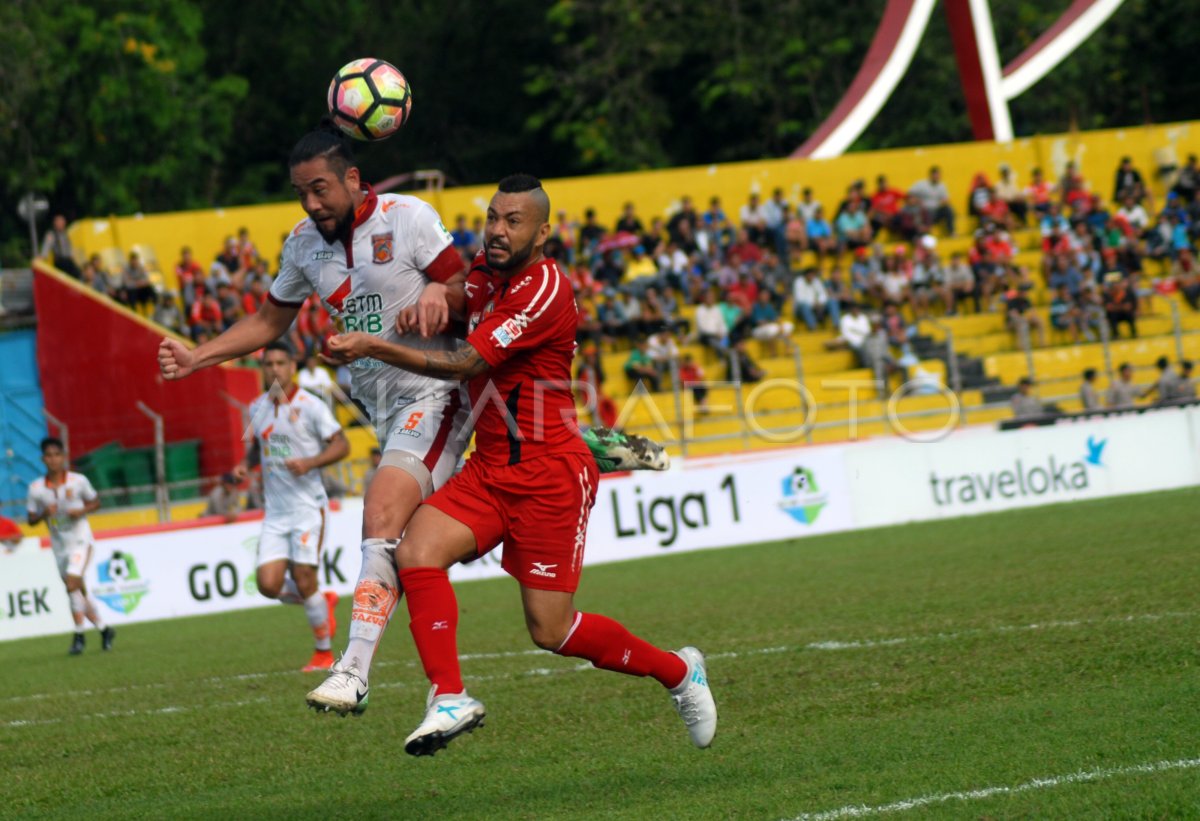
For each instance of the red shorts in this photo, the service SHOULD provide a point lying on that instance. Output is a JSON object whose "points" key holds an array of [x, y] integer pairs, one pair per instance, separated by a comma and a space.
{"points": [[539, 509]]}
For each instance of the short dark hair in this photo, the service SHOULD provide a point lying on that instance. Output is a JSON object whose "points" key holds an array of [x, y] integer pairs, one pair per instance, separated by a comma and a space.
{"points": [[1089, 374], [1185, 365], [1024, 380], [277, 345], [51, 442], [525, 184], [327, 141], [1124, 365], [1162, 363]]}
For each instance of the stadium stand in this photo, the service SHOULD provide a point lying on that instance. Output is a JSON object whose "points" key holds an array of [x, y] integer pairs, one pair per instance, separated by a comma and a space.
{"points": [[958, 319]]}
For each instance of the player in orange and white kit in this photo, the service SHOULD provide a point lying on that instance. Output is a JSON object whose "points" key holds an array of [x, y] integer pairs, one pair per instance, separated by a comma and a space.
{"points": [[295, 435], [63, 499], [530, 483]]}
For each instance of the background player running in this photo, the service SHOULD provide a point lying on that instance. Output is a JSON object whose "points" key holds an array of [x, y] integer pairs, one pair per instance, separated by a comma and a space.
{"points": [[63, 499], [295, 435], [530, 482]]}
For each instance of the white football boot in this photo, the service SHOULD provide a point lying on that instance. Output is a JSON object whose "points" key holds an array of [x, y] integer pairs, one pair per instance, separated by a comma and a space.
{"points": [[694, 700], [446, 717], [344, 691]]}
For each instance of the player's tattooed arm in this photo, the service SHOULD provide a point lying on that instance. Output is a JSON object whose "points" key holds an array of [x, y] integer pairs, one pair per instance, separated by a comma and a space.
{"points": [[462, 364], [459, 365]]}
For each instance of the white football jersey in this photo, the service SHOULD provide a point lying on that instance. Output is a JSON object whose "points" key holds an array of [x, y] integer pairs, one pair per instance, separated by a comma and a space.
{"points": [[365, 284], [70, 494], [295, 429]]}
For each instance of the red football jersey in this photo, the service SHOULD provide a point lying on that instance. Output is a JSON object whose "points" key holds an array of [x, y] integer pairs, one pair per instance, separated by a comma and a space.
{"points": [[525, 329]]}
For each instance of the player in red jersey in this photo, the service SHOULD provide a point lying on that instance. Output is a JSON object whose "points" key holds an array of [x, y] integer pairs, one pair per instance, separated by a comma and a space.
{"points": [[530, 483]]}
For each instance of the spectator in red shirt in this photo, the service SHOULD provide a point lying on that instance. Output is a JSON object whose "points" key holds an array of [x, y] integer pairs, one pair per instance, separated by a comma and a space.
{"points": [[188, 272], [885, 205], [255, 296], [205, 315], [744, 251], [1040, 194]]}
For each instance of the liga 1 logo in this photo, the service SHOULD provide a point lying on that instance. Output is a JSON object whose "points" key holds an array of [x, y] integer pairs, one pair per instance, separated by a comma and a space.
{"points": [[121, 586], [802, 497]]}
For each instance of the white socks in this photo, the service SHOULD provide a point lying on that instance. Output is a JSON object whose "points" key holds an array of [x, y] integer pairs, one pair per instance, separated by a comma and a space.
{"points": [[375, 597], [318, 619]]}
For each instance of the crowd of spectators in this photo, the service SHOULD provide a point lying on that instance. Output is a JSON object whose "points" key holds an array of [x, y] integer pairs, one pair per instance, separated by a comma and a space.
{"points": [[875, 268]]}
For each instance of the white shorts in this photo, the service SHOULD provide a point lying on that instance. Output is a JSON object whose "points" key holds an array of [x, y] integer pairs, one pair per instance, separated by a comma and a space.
{"points": [[73, 558], [436, 430], [298, 538]]}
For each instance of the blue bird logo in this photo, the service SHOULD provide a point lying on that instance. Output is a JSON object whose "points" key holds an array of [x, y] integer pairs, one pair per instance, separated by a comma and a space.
{"points": [[1095, 451]]}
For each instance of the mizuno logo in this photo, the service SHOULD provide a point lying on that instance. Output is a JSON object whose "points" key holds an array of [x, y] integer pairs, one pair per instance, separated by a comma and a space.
{"points": [[540, 569], [441, 625]]}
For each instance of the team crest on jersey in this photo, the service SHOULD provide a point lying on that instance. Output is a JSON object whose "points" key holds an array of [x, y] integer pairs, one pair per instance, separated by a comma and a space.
{"points": [[382, 248]]}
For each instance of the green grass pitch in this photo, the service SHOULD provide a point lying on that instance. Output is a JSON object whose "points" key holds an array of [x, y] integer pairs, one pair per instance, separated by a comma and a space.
{"points": [[1016, 665]]}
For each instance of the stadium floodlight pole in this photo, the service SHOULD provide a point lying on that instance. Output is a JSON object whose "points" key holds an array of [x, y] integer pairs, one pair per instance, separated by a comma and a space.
{"points": [[28, 209], [160, 471]]}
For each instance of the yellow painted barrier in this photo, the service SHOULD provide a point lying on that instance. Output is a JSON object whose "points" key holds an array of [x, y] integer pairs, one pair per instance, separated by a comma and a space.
{"points": [[657, 193]]}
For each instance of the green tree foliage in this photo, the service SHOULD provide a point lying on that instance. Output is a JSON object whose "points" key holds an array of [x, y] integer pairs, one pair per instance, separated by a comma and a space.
{"points": [[109, 110]]}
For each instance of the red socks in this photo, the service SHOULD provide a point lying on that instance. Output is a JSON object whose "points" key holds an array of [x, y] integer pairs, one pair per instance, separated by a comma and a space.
{"points": [[434, 625], [609, 646]]}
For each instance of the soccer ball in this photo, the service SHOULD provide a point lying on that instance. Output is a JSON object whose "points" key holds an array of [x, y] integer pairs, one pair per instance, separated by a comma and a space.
{"points": [[369, 99]]}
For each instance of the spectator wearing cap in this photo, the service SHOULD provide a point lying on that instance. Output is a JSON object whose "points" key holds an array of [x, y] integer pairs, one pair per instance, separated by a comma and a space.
{"points": [[225, 499], [1024, 404], [1165, 384], [934, 197], [1122, 392], [1089, 397]]}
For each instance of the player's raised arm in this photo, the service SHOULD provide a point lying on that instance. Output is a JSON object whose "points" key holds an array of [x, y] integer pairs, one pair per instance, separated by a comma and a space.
{"points": [[248, 334]]}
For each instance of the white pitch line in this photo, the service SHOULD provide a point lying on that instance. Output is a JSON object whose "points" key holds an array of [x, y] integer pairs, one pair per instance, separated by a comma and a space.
{"points": [[157, 711], [828, 645], [1081, 777]]}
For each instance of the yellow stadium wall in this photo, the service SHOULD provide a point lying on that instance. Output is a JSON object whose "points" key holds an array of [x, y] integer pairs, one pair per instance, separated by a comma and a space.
{"points": [[657, 193]]}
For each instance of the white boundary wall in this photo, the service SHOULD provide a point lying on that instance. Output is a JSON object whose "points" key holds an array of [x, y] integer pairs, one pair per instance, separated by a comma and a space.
{"points": [[718, 502]]}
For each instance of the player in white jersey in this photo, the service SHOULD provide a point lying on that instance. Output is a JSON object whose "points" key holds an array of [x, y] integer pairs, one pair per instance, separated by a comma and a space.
{"points": [[295, 435], [63, 500], [367, 257]]}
